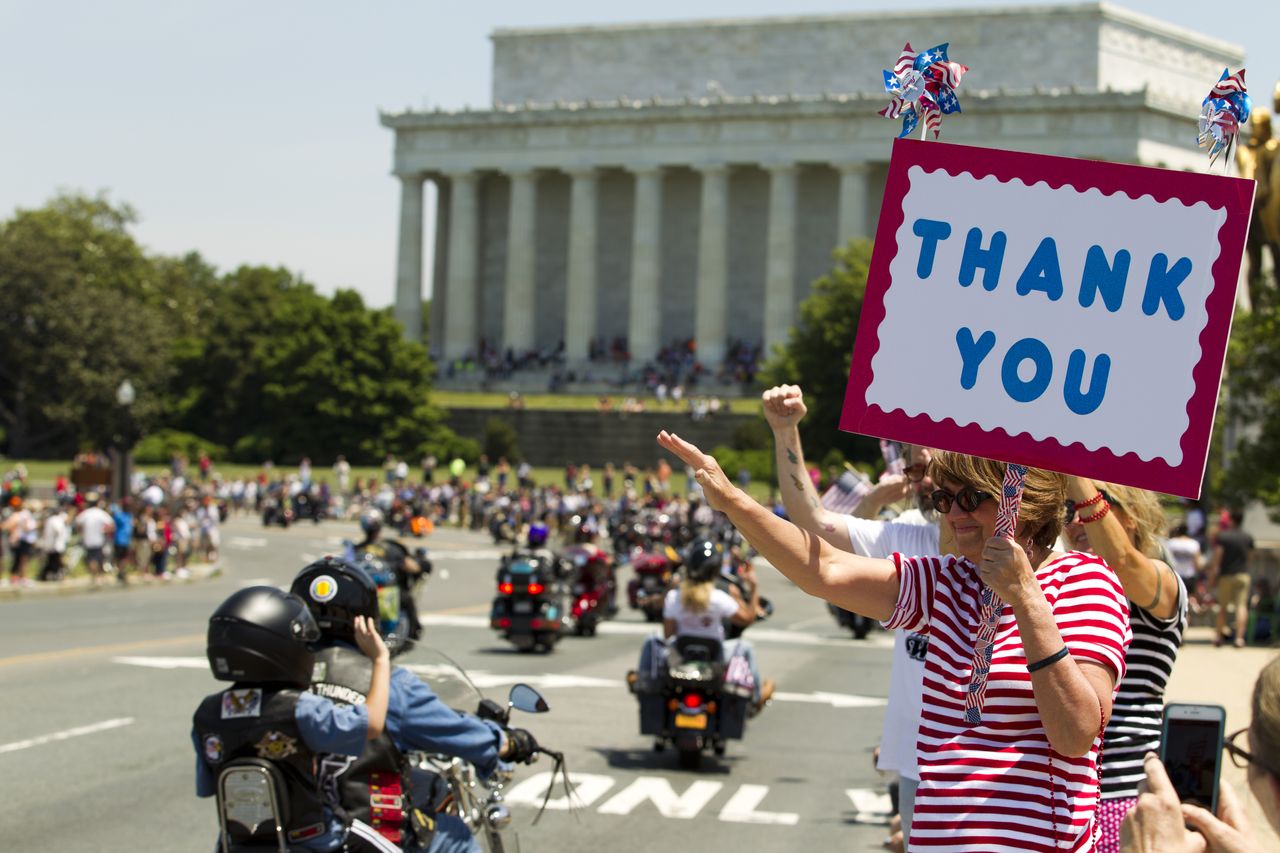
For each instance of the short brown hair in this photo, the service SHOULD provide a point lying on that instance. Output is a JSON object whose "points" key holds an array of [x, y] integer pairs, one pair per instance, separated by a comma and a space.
{"points": [[1043, 493]]}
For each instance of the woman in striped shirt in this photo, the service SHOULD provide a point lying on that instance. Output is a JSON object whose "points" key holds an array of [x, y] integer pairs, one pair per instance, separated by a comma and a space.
{"points": [[1122, 525], [1022, 776]]}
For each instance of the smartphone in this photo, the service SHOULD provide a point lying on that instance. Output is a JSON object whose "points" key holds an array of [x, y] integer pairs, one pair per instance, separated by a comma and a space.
{"points": [[1191, 749]]}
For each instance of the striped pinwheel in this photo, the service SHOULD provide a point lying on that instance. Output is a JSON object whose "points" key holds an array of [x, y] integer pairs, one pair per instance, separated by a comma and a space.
{"points": [[922, 87], [1223, 112]]}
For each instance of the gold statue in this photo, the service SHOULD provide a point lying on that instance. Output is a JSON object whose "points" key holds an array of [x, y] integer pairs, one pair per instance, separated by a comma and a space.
{"points": [[1256, 160]]}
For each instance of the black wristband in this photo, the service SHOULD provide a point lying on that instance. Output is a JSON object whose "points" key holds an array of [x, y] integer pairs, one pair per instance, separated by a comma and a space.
{"points": [[1050, 660]]}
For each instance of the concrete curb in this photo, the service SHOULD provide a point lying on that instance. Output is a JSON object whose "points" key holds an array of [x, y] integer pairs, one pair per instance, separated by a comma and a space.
{"points": [[83, 585]]}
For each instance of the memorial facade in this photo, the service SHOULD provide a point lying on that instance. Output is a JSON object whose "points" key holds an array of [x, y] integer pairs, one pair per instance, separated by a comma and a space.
{"points": [[661, 182]]}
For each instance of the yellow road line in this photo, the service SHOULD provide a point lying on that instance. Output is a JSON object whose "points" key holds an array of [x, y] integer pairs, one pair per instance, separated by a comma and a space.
{"points": [[107, 649], [458, 611]]}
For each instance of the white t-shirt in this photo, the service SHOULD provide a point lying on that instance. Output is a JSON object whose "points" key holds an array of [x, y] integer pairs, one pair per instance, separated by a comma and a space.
{"points": [[1185, 552], [879, 539], [57, 533], [93, 524], [707, 623]]}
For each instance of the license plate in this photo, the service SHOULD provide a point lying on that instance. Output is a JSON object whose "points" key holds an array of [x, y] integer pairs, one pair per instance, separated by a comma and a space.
{"points": [[523, 607], [691, 721]]}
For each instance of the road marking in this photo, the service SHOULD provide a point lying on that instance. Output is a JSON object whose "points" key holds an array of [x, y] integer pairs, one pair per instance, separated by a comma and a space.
{"points": [[164, 663], [586, 787], [244, 543], [482, 679], [94, 728], [256, 582], [82, 651], [872, 806], [658, 791], [741, 808], [835, 700]]}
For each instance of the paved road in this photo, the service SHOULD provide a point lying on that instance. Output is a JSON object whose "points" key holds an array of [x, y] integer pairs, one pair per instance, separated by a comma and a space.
{"points": [[96, 755]]}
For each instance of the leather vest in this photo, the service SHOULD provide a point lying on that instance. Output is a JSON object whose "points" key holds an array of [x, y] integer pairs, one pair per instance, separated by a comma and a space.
{"points": [[373, 788], [257, 722]]}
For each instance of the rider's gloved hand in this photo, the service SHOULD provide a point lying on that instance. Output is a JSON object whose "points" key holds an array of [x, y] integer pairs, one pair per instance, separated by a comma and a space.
{"points": [[521, 747]]}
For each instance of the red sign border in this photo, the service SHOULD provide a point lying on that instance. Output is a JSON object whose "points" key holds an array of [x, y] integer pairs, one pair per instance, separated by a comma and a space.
{"points": [[1235, 195]]}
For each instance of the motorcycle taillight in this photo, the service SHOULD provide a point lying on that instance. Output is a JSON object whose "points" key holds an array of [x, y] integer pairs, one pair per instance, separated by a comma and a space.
{"points": [[692, 701], [536, 589], [506, 588]]}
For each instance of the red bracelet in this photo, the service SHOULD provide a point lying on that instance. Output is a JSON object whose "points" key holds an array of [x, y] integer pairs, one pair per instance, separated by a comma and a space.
{"points": [[1097, 496], [1106, 508]]}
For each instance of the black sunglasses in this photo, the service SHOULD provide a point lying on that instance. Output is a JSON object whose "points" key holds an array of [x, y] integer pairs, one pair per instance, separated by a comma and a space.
{"points": [[1240, 756], [1070, 505], [968, 498]]}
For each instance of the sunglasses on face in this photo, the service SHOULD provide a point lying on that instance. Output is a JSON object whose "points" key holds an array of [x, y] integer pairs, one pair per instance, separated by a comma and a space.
{"points": [[1240, 756], [968, 499], [1070, 506], [915, 473]]}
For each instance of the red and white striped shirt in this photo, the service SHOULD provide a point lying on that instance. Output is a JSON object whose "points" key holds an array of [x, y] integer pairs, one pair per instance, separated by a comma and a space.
{"points": [[998, 786]]}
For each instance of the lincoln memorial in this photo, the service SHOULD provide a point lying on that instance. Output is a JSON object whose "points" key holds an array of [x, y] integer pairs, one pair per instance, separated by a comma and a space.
{"points": [[666, 181]]}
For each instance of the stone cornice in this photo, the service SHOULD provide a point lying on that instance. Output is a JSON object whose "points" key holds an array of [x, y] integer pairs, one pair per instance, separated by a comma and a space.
{"points": [[625, 111]]}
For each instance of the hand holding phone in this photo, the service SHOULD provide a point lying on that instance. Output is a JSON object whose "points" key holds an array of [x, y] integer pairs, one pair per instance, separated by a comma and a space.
{"points": [[1191, 750]]}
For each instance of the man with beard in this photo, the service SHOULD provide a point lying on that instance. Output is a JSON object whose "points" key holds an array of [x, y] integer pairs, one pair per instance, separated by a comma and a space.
{"points": [[913, 532]]}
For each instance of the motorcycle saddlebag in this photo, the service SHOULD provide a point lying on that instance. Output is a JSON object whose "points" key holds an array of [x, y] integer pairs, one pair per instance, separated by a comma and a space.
{"points": [[652, 713], [733, 715]]}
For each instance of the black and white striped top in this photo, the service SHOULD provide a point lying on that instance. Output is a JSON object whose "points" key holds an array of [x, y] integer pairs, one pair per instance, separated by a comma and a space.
{"points": [[1136, 715]]}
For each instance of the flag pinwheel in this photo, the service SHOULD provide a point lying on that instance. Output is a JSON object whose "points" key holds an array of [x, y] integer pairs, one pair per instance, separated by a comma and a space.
{"points": [[1222, 112], [922, 87]]}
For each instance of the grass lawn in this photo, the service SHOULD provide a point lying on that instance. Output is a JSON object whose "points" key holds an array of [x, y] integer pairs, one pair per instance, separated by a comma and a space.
{"points": [[41, 473], [566, 402]]}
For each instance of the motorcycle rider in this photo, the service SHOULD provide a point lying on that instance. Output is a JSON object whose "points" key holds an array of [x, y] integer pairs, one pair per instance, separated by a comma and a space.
{"points": [[699, 609], [339, 594], [407, 569], [257, 640]]}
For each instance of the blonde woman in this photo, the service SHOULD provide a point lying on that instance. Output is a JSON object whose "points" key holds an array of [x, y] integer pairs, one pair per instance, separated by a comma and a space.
{"points": [[1124, 526]]}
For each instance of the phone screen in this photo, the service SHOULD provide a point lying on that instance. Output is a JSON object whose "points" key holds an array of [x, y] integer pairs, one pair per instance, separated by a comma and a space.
{"points": [[1191, 755]]}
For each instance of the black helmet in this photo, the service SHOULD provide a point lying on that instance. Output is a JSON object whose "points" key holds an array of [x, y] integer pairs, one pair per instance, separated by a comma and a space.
{"points": [[336, 592], [702, 560], [371, 521], [259, 635]]}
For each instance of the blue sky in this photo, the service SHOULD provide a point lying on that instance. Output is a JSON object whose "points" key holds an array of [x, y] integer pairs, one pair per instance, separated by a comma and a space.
{"points": [[248, 131]]}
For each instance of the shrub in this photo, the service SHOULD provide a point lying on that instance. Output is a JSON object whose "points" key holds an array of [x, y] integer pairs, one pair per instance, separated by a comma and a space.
{"points": [[160, 447]]}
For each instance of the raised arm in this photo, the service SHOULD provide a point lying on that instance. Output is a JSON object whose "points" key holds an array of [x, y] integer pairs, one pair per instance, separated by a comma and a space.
{"points": [[859, 584], [783, 409], [1149, 583]]}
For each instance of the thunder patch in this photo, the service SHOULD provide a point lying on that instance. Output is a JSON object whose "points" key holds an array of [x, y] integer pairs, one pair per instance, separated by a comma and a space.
{"points": [[323, 589], [213, 748], [275, 746], [237, 704]]}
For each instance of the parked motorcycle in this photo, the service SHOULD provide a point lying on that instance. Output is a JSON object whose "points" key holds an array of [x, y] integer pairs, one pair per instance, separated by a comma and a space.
{"points": [[857, 623], [477, 801], [594, 588], [529, 609]]}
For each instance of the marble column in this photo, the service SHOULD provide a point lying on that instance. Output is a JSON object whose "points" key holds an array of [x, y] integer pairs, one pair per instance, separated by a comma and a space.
{"points": [[462, 281], [646, 266], [711, 306], [853, 202], [518, 321], [580, 287], [409, 257], [780, 268]]}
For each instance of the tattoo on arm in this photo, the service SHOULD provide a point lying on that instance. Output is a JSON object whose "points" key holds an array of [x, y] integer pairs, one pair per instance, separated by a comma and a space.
{"points": [[791, 457], [1159, 589], [795, 481], [830, 528], [813, 502]]}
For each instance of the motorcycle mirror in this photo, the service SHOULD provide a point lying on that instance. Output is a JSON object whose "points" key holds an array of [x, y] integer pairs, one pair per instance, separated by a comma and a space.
{"points": [[525, 698]]}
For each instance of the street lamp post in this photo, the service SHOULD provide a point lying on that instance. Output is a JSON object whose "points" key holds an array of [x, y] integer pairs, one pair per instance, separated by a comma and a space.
{"points": [[125, 397]]}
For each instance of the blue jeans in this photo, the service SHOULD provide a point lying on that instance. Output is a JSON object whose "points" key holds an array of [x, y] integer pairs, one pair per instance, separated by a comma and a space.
{"points": [[653, 657], [452, 836]]}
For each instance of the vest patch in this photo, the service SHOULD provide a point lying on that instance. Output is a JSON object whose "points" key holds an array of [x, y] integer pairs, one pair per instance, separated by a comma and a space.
{"points": [[324, 588], [237, 704], [338, 692], [319, 671], [213, 748], [275, 746]]}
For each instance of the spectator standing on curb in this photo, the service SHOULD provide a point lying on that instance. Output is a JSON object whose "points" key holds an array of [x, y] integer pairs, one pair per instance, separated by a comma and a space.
{"points": [[182, 539], [94, 526], [55, 539], [210, 530], [22, 531], [1229, 577], [342, 474], [122, 538], [205, 464], [429, 463]]}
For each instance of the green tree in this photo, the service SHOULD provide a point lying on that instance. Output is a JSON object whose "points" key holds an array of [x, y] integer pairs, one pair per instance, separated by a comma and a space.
{"points": [[1253, 382], [82, 309], [818, 352]]}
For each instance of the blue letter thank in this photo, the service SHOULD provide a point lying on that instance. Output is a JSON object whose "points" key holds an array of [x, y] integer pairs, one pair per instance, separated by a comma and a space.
{"points": [[988, 259], [1042, 272], [1162, 286], [930, 232]]}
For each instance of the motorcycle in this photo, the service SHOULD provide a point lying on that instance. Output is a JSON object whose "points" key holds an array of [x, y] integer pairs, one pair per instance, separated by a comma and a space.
{"points": [[502, 527], [594, 588], [648, 589], [857, 623], [398, 588], [529, 609], [478, 802], [274, 511], [305, 505], [695, 700]]}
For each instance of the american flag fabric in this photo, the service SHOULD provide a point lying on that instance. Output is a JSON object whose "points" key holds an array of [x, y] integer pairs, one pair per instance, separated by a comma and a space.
{"points": [[845, 493], [1226, 108], [921, 87], [892, 453], [992, 606]]}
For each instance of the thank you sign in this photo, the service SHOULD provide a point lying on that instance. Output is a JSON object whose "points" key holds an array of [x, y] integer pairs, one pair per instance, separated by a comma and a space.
{"points": [[1065, 314]]}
